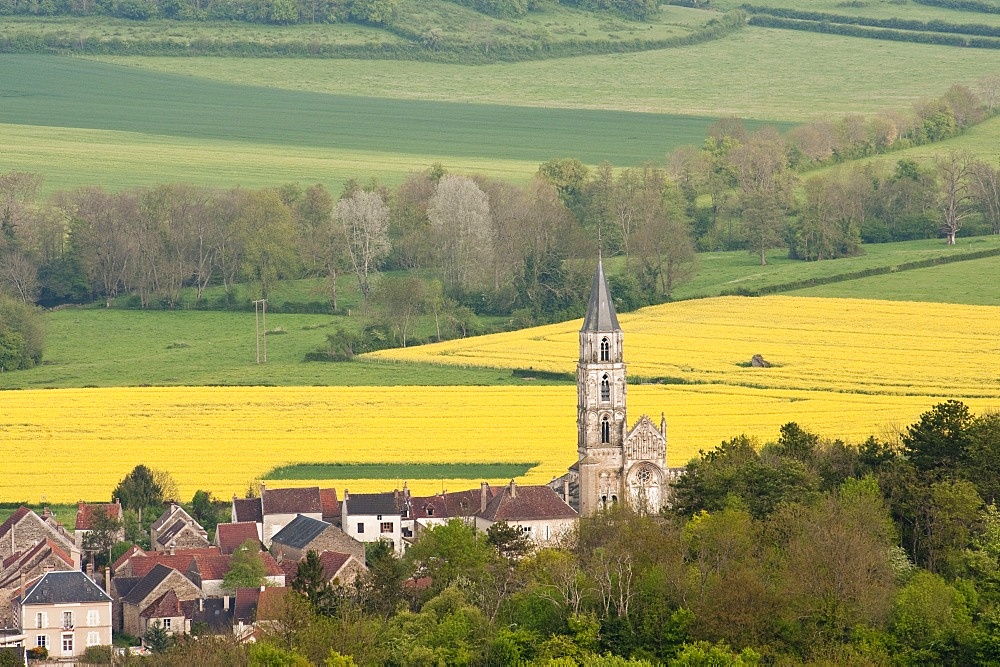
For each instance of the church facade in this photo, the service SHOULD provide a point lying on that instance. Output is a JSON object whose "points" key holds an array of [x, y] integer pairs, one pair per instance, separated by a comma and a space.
{"points": [[617, 463]]}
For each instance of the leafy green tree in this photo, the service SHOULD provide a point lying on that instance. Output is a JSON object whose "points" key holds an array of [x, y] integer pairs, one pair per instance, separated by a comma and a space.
{"points": [[139, 491], [982, 459], [246, 568], [203, 510], [105, 531], [938, 443], [706, 654], [156, 638], [310, 582], [264, 226], [22, 335], [932, 622], [450, 551], [510, 541], [381, 587], [264, 654]]}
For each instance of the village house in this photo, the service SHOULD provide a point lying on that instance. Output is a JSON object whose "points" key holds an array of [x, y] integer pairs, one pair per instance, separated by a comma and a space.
{"points": [[370, 517], [24, 529], [65, 612], [146, 602], [207, 572], [280, 506], [141, 562], [538, 511], [254, 606], [86, 514], [331, 506], [305, 534], [429, 511], [229, 536], [176, 529]]}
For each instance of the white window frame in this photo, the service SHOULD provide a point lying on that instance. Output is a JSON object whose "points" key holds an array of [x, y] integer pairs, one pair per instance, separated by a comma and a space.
{"points": [[67, 640], [93, 638], [68, 615], [42, 640], [93, 618], [41, 620], [167, 623]]}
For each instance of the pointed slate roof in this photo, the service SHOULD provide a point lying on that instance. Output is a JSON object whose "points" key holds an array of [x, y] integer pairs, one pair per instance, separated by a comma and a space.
{"points": [[600, 309]]}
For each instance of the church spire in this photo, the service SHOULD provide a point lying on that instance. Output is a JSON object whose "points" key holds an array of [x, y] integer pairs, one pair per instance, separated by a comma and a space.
{"points": [[600, 309]]}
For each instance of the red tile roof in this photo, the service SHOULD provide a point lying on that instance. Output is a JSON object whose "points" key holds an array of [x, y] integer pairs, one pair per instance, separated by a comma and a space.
{"points": [[143, 565], [331, 506], [269, 602], [449, 505], [214, 568], [85, 513], [165, 606], [332, 562], [231, 535], [291, 501], [526, 503], [124, 558], [247, 509], [245, 606]]}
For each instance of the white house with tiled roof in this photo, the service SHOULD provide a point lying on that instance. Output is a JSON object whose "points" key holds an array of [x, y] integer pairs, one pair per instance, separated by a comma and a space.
{"points": [[538, 511]]}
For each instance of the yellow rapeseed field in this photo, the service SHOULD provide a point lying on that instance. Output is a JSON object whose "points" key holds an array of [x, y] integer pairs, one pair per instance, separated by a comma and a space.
{"points": [[848, 369], [837, 345]]}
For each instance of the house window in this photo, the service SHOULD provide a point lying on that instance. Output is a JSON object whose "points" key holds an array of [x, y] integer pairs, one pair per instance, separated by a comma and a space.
{"points": [[526, 529], [378, 517], [67, 619], [361, 528], [40, 620], [605, 430], [93, 638], [67, 644], [166, 623], [605, 350], [430, 511], [42, 640], [93, 617], [605, 389], [386, 527]]}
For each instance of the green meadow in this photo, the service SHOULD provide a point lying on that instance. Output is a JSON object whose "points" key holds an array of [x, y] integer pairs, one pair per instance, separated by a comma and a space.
{"points": [[117, 347], [782, 75], [67, 118], [399, 471]]}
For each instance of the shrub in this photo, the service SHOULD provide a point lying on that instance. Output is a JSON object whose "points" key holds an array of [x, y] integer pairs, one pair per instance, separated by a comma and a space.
{"points": [[97, 655]]}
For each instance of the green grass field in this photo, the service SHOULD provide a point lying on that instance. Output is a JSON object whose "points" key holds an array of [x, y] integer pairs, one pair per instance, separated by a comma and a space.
{"points": [[880, 9], [65, 117], [976, 282], [754, 73], [106, 348], [399, 471]]}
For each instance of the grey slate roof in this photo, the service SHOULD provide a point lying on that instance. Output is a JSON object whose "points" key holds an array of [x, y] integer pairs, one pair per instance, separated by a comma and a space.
{"points": [[300, 532], [148, 584], [600, 309], [64, 587], [122, 586], [370, 503]]}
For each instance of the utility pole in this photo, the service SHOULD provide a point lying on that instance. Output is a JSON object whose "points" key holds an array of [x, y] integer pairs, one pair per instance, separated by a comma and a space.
{"points": [[260, 318]]}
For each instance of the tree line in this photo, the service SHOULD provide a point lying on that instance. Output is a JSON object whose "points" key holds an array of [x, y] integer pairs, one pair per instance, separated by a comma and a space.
{"points": [[283, 12], [805, 550], [453, 247]]}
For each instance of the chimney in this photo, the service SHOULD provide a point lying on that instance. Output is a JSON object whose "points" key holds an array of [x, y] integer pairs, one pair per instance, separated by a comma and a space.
{"points": [[262, 587], [281, 555], [663, 425], [482, 496], [513, 489], [225, 602], [90, 570], [24, 579], [201, 604], [107, 580], [173, 545], [566, 490]]}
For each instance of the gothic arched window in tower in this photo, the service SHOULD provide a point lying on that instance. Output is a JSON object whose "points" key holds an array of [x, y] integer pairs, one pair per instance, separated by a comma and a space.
{"points": [[605, 349], [605, 430], [605, 388]]}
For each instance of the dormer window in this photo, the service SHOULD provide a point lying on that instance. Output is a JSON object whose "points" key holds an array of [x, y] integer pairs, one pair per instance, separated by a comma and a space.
{"points": [[605, 388], [430, 511], [605, 349], [605, 430]]}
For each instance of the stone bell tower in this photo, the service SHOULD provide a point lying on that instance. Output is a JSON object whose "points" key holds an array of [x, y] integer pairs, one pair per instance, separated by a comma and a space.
{"points": [[616, 464]]}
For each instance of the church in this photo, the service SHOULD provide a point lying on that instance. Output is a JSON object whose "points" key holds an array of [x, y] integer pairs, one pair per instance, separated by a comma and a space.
{"points": [[617, 463]]}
